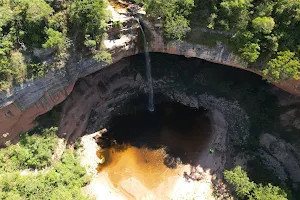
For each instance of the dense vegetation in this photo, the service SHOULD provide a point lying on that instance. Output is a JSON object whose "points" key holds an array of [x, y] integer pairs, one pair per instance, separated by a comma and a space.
{"points": [[33, 152], [60, 180], [262, 32], [27, 26], [246, 189]]}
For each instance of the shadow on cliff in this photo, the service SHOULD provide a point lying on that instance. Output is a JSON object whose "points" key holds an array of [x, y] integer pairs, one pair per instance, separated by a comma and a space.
{"points": [[182, 131]]}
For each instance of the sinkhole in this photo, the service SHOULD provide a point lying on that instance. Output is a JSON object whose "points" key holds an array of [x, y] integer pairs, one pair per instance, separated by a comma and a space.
{"points": [[153, 146]]}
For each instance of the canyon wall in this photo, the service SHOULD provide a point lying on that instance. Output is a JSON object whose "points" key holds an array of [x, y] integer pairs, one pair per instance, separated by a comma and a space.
{"points": [[20, 106], [253, 114]]}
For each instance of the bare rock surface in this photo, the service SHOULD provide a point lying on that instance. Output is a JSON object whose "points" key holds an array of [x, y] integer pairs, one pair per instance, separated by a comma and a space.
{"points": [[279, 154]]}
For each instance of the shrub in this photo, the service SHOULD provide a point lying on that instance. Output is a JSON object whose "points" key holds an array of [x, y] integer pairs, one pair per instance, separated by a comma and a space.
{"points": [[285, 66], [175, 14], [263, 24], [64, 180], [250, 52], [176, 27], [32, 152], [103, 56], [247, 189]]}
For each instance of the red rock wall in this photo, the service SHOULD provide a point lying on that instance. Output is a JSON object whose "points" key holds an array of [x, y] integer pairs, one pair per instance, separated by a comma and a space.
{"points": [[14, 121]]}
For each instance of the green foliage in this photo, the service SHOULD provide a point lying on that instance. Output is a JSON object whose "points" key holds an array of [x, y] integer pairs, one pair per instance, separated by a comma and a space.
{"points": [[36, 70], [285, 66], [264, 8], [176, 27], [37, 10], [90, 43], [90, 17], [55, 39], [260, 29], [268, 192], [58, 22], [32, 152], [6, 15], [63, 180], [247, 189], [175, 14], [236, 13], [18, 66], [58, 41], [103, 56], [263, 24], [28, 24], [250, 52], [239, 179]]}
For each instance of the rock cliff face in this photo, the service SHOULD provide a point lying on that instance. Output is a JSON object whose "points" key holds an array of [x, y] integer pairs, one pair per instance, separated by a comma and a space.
{"points": [[218, 54], [252, 114], [101, 93], [20, 106]]}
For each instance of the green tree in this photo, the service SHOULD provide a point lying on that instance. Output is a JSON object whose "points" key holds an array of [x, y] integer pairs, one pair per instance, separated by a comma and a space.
{"points": [[36, 13], [32, 152], [268, 192], [28, 24], [247, 189], [6, 15], [55, 39], [174, 13], [103, 56], [18, 66], [264, 8], [240, 181], [235, 13], [58, 22], [250, 52], [37, 10], [263, 24], [58, 41], [90, 17], [285, 66], [176, 27], [64, 180]]}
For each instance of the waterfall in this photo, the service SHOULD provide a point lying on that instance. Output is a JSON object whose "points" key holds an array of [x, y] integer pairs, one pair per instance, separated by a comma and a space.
{"points": [[148, 71]]}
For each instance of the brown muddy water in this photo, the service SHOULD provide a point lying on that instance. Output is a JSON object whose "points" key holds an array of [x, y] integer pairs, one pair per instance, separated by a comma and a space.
{"points": [[151, 146], [144, 164]]}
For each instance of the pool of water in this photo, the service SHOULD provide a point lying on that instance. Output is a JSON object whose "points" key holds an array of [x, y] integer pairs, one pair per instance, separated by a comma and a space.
{"points": [[151, 146]]}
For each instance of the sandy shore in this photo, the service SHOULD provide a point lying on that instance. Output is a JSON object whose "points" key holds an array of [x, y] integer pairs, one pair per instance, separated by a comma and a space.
{"points": [[188, 182], [175, 188]]}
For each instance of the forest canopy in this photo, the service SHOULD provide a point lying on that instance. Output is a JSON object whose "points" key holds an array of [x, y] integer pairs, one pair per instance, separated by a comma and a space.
{"points": [[265, 34], [28, 170], [262, 32], [29, 26], [246, 189]]}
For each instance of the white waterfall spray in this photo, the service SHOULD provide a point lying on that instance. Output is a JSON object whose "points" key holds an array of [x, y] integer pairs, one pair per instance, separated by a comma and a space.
{"points": [[148, 71]]}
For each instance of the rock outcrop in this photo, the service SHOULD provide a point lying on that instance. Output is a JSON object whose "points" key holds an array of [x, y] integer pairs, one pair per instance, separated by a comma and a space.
{"points": [[98, 92], [281, 157], [218, 54]]}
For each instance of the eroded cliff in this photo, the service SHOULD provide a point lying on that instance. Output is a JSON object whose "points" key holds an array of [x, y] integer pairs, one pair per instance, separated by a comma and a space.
{"points": [[20, 106]]}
